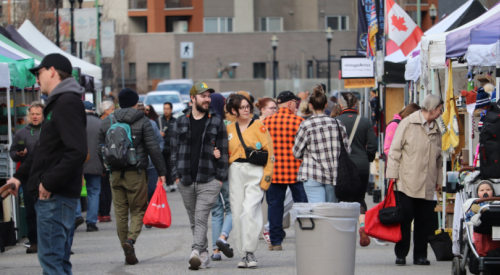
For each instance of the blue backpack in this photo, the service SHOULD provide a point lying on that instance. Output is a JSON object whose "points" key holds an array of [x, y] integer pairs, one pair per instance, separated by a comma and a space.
{"points": [[118, 151]]}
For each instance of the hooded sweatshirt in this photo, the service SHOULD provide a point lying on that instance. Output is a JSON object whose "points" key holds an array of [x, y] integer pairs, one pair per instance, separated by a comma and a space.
{"points": [[390, 130], [61, 150], [29, 135]]}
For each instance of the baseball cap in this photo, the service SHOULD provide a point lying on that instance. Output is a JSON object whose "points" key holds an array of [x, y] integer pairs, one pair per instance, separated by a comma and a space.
{"points": [[199, 88], [89, 106], [286, 96], [58, 61]]}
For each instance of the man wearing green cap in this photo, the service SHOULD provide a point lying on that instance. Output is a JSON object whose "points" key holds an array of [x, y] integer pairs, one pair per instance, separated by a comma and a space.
{"points": [[198, 174]]}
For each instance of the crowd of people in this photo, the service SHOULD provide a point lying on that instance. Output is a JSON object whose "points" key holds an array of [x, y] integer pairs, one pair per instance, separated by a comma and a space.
{"points": [[221, 156]]}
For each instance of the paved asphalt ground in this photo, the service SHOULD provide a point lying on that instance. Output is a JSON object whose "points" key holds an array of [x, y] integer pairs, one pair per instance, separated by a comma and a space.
{"points": [[166, 251]]}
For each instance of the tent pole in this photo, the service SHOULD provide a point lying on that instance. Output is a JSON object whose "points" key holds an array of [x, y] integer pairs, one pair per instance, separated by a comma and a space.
{"points": [[445, 154], [497, 75], [433, 83]]}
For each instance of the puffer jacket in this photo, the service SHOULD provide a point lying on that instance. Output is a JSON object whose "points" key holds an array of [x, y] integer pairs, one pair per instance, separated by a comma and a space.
{"points": [[143, 138]]}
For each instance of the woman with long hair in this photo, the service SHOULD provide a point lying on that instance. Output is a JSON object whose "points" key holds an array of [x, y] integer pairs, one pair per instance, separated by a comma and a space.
{"points": [[390, 130], [150, 113], [267, 107], [317, 144], [247, 181]]}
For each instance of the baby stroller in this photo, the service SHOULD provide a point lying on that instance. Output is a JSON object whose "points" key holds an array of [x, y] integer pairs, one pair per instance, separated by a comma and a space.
{"points": [[489, 225]]}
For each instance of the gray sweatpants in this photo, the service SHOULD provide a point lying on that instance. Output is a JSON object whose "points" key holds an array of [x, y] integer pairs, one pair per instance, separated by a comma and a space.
{"points": [[198, 200]]}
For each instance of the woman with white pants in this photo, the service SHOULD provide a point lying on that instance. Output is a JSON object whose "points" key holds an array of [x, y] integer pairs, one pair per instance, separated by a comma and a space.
{"points": [[247, 181]]}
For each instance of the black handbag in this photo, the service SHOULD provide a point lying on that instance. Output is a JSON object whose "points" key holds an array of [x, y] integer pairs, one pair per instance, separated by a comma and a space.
{"points": [[254, 156], [442, 245], [348, 180], [391, 215]]}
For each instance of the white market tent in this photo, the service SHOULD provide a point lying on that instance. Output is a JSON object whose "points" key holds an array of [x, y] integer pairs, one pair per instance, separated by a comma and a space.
{"points": [[45, 46]]}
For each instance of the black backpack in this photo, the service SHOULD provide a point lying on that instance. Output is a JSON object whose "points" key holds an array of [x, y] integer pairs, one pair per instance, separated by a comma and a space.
{"points": [[348, 180], [489, 145]]}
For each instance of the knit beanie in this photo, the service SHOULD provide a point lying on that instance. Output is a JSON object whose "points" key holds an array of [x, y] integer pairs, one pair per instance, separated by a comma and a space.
{"points": [[482, 99], [127, 98], [485, 182], [217, 103]]}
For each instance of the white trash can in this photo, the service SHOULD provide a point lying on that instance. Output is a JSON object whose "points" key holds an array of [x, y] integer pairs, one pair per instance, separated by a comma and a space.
{"points": [[325, 237]]}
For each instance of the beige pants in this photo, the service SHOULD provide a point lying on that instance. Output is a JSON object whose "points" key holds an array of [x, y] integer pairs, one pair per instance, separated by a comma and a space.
{"points": [[245, 196]]}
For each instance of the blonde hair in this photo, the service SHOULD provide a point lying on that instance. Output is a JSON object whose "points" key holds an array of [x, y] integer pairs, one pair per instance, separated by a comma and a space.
{"points": [[304, 108]]}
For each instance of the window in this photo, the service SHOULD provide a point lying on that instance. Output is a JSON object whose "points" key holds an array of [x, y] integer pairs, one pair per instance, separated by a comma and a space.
{"points": [[338, 22], [184, 69], [218, 24], [131, 70], [310, 69], [271, 24], [259, 70], [158, 70]]}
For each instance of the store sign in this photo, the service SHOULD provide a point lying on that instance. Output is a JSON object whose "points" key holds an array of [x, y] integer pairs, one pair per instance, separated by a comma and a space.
{"points": [[356, 67], [359, 83]]}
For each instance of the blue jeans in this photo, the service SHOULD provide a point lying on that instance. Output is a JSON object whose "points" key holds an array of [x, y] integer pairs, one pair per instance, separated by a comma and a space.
{"points": [[152, 181], [55, 225], [93, 184], [276, 204], [221, 225], [318, 192]]}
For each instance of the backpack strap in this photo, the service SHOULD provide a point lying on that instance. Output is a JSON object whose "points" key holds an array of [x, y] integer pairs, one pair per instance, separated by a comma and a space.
{"points": [[353, 131]]}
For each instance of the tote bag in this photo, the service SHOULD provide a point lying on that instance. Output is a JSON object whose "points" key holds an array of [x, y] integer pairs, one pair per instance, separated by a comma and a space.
{"points": [[158, 212]]}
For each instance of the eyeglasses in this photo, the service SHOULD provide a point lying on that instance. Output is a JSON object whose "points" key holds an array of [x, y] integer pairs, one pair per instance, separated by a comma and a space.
{"points": [[272, 108], [245, 107]]}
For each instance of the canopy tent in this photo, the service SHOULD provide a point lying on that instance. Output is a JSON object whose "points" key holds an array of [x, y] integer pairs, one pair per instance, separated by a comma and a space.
{"points": [[464, 14], [19, 39], [44, 45]]}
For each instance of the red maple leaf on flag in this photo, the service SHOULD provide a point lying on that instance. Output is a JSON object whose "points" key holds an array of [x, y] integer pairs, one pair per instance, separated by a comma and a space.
{"points": [[399, 23]]}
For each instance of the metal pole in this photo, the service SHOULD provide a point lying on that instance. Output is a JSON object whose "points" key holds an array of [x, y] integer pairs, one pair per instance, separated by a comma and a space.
{"points": [[367, 108], [419, 15], [57, 23], [80, 46], [98, 41], [122, 54], [274, 72], [329, 68], [72, 40]]}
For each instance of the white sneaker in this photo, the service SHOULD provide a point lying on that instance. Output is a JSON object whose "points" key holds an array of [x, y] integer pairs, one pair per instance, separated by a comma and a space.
{"points": [[381, 242], [205, 260], [243, 263], [194, 260], [174, 186], [251, 260]]}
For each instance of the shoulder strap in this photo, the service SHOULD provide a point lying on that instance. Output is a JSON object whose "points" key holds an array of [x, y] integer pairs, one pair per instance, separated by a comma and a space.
{"points": [[239, 135], [353, 132], [341, 139]]}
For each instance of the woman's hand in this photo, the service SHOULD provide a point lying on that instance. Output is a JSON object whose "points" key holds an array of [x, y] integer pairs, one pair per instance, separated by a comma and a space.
{"points": [[216, 153], [438, 187]]}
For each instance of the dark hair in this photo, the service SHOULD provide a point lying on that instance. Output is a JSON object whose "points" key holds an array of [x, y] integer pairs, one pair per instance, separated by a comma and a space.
{"points": [[263, 102], [318, 98], [348, 100], [252, 99], [168, 103], [63, 75], [408, 110], [152, 113], [234, 102]]}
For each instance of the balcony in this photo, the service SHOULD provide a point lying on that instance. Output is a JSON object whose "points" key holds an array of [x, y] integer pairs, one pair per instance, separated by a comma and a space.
{"points": [[414, 2], [176, 4], [138, 4]]}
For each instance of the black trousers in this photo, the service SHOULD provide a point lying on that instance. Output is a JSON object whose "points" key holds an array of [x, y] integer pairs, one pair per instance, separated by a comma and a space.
{"points": [[421, 212], [170, 180], [29, 205], [105, 198]]}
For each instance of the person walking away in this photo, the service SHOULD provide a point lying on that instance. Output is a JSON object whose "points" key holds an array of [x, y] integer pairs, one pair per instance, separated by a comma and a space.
{"points": [[363, 149], [222, 221], [374, 105], [27, 138], [390, 130], [317, 144], [54, 172], [267, 107], [415, 161], [198, 174], [128, 180], [105, 198], [247, 181], [283, 127], [166, 126]]}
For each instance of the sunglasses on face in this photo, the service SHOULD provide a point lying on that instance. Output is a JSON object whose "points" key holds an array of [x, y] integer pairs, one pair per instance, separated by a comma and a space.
{"points": [[37, 73]]}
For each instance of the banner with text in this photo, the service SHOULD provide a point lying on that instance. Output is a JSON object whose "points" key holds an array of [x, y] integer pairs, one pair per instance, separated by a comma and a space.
{"points": [[108, 39]]}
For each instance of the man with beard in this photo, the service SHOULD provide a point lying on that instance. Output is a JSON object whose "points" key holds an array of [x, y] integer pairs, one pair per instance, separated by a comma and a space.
{"points": [[198, 174]]}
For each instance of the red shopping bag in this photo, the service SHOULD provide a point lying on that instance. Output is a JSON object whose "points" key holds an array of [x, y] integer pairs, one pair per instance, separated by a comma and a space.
{"points": [[375, 229], [158, 212]]}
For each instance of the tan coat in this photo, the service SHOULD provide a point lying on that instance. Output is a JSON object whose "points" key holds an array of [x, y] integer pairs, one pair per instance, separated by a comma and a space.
{"points": [[415, 158]]}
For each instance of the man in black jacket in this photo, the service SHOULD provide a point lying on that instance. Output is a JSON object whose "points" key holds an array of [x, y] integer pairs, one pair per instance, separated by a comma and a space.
{"points": [[129, 185], [166, 125], [54, 171]]}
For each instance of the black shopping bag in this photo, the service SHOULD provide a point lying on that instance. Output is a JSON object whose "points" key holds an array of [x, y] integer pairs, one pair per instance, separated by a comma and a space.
{"points": [[441, 244]]}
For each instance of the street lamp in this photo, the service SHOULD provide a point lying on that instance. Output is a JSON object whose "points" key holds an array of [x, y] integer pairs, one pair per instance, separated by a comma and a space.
{"points": [[57, 23], [80, 47], [433, 13], [329, 36], [274, 44], [72, 40]]}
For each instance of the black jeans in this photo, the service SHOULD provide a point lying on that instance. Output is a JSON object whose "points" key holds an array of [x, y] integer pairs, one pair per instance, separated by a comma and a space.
{"points": [[170, 180], [421, 211], [105, 198], [29, 206]]}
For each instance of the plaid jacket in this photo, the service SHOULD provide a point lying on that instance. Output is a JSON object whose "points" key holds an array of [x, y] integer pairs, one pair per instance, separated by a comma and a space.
{"points": [[317, 144], [209, 168], [283, 126]]}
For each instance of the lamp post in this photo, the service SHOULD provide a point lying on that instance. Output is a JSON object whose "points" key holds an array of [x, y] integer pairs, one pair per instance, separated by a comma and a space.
{"points": [[274, 44], [329, 35], [57, 23], [433, 13], [72, 40], [80, 46]]}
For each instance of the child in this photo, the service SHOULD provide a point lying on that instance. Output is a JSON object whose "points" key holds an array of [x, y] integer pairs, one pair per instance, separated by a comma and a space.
{"points": [[484, 190]]}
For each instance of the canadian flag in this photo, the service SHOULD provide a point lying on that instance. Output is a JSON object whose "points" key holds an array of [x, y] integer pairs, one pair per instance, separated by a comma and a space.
{"points": [[403, 33]]}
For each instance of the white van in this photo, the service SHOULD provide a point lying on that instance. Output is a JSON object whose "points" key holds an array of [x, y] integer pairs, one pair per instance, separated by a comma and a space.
{"points": [[180, 85]]}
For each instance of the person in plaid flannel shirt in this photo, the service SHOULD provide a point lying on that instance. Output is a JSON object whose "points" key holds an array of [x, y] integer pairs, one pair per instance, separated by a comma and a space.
{"points": [[283, 127]]}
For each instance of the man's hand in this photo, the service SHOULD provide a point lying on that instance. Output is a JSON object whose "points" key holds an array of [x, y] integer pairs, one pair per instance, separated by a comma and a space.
{"points": [[216, 153], [17, 183], [162, 134], [44, 194], [161, 180], [220, 183], [177, 181], [23, 153]]}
